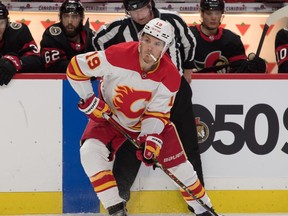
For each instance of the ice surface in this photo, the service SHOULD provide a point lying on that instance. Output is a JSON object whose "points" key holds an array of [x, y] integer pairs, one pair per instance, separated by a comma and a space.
{"points": [[183, 214]]}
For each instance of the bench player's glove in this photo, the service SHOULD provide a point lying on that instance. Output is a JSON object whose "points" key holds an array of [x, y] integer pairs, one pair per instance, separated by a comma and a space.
{"points": [[152, 146], [254, 64], [94, 108], [9, 65]]}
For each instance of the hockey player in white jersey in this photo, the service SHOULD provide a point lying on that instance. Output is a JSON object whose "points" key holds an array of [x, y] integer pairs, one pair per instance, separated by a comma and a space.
{"points": [[138, 87]]}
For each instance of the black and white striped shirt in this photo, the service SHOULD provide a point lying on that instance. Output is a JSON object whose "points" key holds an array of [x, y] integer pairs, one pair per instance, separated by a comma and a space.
{"points": [[123, 30]]}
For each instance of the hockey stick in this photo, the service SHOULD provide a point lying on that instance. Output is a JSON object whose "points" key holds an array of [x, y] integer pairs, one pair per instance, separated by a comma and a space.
{"points": [[276, 15], [157, 164], [213, 68], [87, 30]]}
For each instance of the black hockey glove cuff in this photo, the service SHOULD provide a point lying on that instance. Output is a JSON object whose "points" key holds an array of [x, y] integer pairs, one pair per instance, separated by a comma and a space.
{"points": [[14, 59]]}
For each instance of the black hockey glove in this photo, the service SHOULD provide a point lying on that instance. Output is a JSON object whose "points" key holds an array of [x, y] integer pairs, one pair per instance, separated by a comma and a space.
{"points": [[254, 64], [9, 65]]}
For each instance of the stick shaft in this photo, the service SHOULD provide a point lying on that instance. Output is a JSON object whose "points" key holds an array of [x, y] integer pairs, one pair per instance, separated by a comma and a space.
{"points": [[213, 68], [266, 27]]}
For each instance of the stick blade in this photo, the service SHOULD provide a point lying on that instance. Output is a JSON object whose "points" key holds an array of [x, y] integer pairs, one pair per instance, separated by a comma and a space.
{"points": [[276, 15]]}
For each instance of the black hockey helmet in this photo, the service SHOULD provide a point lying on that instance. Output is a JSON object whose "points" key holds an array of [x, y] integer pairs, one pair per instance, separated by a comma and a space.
{"points": [[212, 5], [72, 6], [3, 11], [131, 5]]}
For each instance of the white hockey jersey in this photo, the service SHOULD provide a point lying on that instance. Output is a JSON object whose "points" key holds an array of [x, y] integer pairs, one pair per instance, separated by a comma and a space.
{"points": [[133, 95]]}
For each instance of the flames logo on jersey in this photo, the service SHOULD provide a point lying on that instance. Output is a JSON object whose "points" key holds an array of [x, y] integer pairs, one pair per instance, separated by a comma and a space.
{"points": [[212, 59], [131, 102], [202, 130]]}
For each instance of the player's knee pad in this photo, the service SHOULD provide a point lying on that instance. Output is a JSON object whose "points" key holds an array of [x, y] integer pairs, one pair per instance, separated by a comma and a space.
{"points": [[185, 173], [94, 157]]}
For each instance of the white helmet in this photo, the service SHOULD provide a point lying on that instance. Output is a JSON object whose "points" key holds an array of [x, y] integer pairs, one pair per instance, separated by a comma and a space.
{"points": [[160, 29]]}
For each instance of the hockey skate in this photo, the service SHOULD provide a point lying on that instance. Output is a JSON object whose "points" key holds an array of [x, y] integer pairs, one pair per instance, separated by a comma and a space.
{"points": [[191, 209], [118, 209], [207, 213]]}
